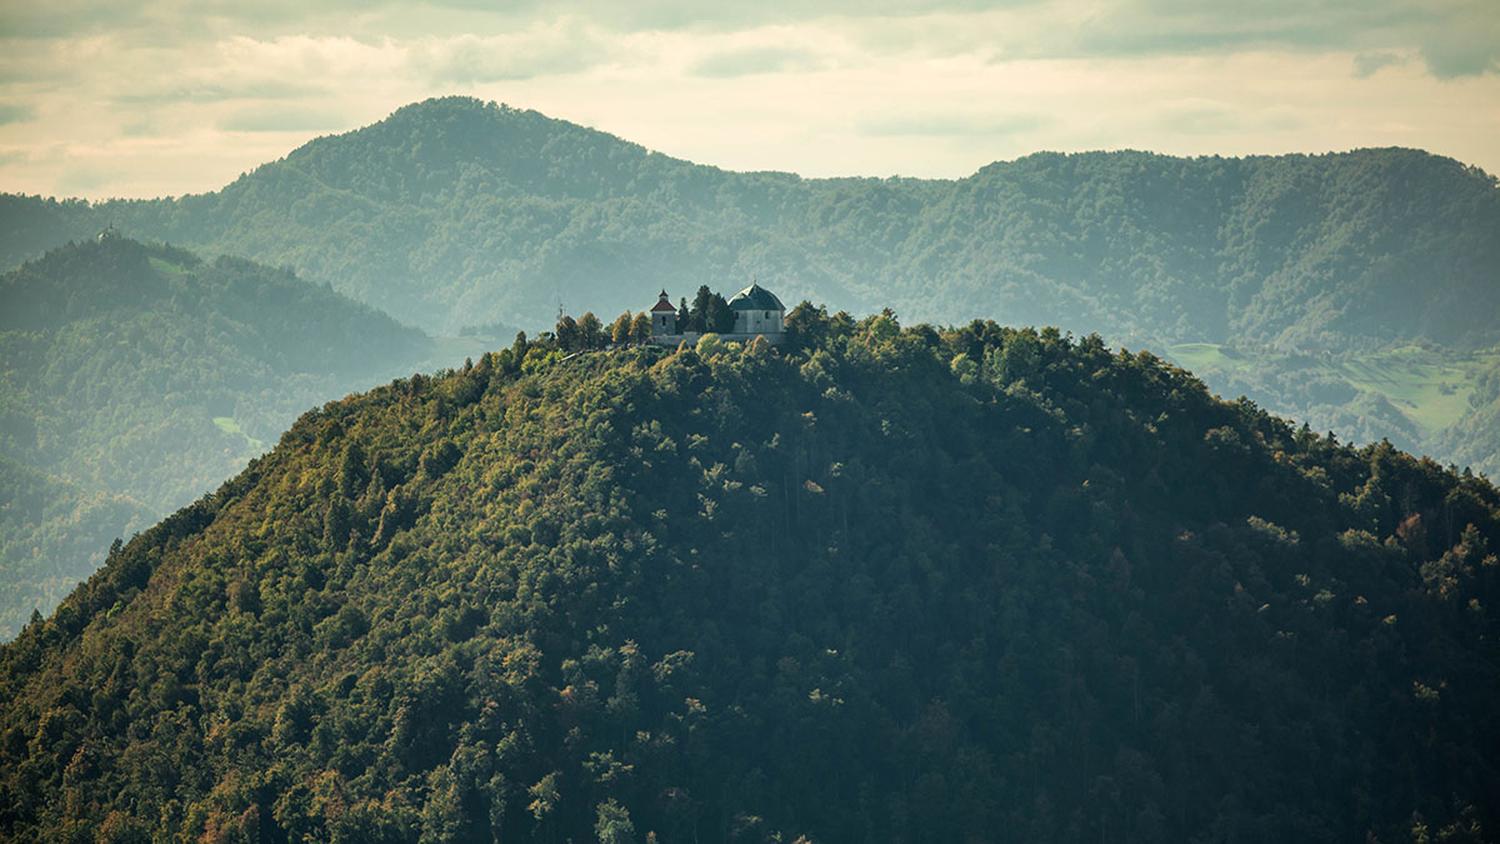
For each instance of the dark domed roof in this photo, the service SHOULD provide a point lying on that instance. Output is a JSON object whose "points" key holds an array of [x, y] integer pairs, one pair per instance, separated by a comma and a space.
{"points": [[755, 298]]}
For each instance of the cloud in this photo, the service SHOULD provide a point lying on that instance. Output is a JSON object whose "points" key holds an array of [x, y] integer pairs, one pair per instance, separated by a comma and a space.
{"points": [[566, 47], [16, 113], [753, 60], [1455, 37], [57, 18], [1201, 120], [697, 16], [277, 119], [177, 91], [1464, 52], [1368, 64], [139, 129], [951, 125], [1208, 117], [141, 98], [83, 180]]}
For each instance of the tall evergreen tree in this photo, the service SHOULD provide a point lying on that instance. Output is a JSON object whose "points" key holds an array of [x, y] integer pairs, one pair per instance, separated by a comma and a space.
{"points": [[568, 337], [702, 310]]}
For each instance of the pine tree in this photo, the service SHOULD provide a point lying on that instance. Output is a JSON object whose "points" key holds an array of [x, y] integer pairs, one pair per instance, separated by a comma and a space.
{"points": [[702, 311], [352, 477]]}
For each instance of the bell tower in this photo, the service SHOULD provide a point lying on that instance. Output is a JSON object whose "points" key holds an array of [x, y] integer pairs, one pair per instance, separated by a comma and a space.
{"points": [[663, 316]]}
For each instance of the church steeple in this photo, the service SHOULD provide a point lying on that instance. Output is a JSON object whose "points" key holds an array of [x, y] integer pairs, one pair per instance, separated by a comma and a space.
{"points": [[663, 316]]}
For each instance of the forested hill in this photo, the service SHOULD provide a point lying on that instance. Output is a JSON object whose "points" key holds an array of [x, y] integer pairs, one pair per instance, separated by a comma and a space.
{"points": [[459, 212], [878, 584], [134, 377]]}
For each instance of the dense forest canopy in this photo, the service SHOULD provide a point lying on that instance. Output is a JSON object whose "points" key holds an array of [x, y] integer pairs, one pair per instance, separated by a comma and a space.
{"points": [[455, 213], [880, 583], [135, 377]]}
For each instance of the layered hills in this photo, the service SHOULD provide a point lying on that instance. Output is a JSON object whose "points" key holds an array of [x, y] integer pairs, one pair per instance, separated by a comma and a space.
{"points": [[135, 377], [876, 584], [454, 210], [454, 213]]}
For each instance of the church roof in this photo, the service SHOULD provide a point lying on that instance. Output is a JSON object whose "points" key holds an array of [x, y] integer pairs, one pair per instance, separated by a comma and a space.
{"points": [[664, 304], [755, 298]]}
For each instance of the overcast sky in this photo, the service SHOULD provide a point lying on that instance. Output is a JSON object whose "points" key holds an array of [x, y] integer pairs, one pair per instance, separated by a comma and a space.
{"points": [[151, 97]]}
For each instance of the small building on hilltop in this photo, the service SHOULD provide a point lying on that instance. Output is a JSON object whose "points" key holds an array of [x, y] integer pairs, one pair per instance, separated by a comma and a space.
{"points": [[757, 313], [663, 316]]}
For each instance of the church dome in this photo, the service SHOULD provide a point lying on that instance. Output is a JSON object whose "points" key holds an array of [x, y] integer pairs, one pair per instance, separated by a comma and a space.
{"points": [[755, 298]]}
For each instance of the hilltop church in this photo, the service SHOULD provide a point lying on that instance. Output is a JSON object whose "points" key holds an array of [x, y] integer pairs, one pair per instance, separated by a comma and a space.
{"points": [[757, 313]]}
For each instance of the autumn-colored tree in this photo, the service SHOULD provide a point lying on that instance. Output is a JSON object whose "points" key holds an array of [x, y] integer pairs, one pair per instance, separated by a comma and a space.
{"points": [[590, 331], [640, 328], [569, 338], [619, 330]]}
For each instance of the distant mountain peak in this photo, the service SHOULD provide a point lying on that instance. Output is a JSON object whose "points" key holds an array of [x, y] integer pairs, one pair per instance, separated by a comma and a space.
{"points": [[468, 123]]}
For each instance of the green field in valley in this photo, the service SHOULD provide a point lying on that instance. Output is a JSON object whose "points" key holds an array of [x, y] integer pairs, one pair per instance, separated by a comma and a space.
{"points": [[1206, 357], [1429, 386], [230, 426]]}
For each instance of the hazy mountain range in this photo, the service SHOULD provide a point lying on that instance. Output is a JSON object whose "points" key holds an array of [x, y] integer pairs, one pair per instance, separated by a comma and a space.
{"points": [[453, 213]]}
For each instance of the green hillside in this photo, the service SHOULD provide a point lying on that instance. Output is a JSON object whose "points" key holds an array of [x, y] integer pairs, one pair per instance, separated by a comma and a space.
{"points": [[1475, 439], [452, 213], [117, 359], [879, 584]]}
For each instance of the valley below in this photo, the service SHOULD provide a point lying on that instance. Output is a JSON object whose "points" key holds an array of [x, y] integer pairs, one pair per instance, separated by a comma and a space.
{"points": [[1415, 395]]}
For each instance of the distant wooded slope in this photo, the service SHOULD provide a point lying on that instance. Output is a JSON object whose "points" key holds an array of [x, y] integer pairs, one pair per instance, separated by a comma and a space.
{"points": [[454, 212], [140, 373]]}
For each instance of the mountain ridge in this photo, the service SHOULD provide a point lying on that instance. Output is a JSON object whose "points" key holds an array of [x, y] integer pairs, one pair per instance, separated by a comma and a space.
{"points": [[597, 167]]}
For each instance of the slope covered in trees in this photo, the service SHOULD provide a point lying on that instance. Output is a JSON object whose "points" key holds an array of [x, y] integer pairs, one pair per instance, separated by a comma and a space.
{"points": [[1475, 438], [877, 584], [135, 377], [454, 212]]}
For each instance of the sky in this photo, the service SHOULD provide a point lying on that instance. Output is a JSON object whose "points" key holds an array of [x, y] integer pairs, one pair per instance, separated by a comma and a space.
{"points": [[143, 98]]}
